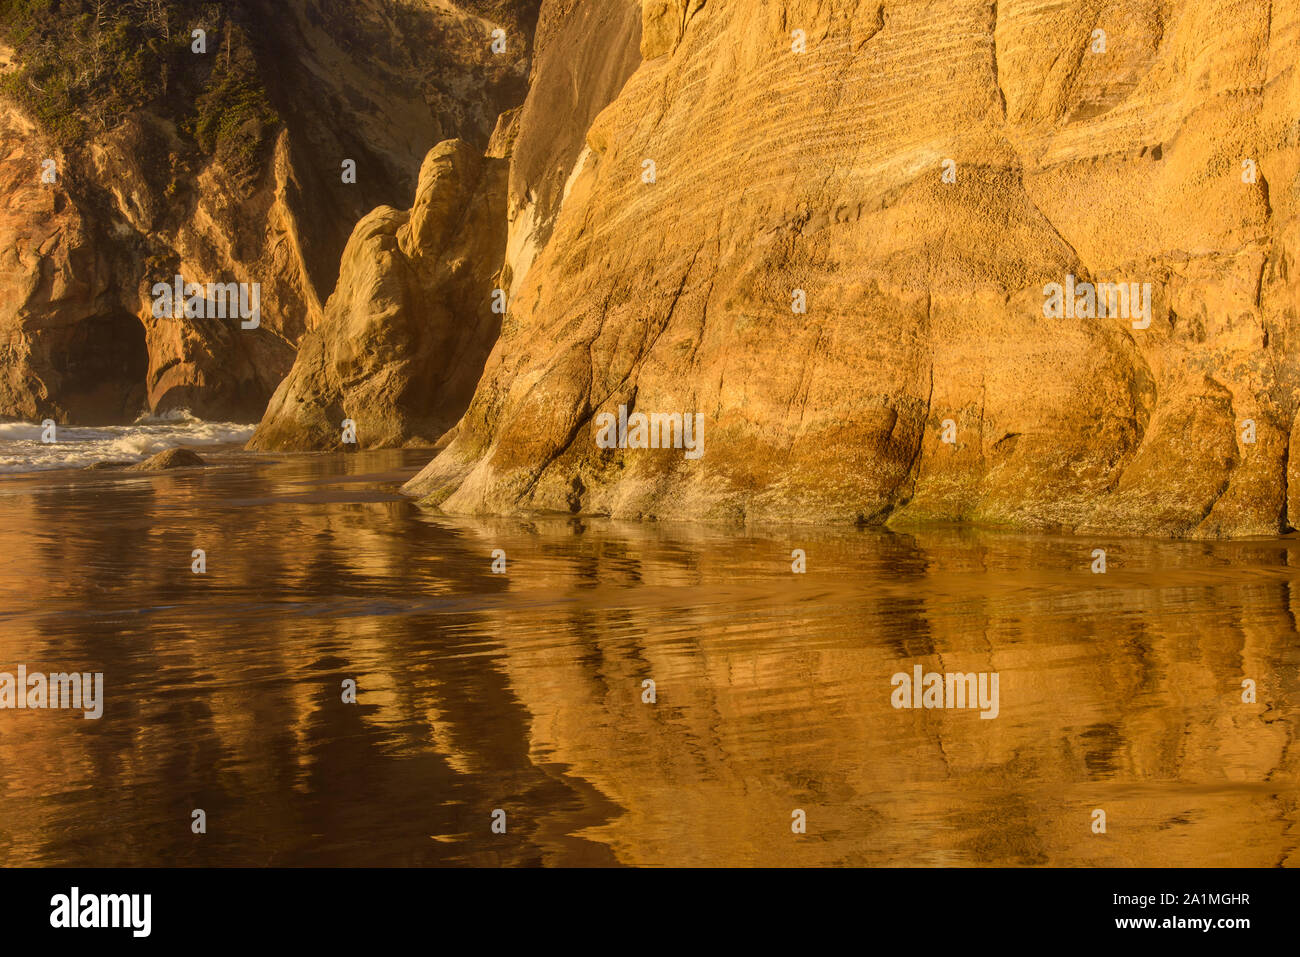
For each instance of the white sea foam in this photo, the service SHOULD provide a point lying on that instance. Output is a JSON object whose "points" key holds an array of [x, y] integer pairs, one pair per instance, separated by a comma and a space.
{"points": [[21, 449]]}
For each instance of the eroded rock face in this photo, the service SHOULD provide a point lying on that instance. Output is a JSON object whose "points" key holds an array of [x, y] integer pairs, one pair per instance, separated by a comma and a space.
{"points": [[776, 171], [411, 322], [410, 325], [583, 54], [211, 366], [68, 349], [370, 82]]}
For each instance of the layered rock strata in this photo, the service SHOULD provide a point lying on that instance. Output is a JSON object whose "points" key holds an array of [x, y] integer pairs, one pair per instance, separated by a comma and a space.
{"points": [[830, 229]]}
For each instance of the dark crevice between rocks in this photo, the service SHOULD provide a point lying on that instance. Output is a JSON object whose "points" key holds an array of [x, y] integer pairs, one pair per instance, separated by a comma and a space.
{"points": [[576, 491], [1283, 518]]}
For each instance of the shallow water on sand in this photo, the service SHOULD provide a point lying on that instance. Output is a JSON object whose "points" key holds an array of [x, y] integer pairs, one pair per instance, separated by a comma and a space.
{"points": [[524, 691]]}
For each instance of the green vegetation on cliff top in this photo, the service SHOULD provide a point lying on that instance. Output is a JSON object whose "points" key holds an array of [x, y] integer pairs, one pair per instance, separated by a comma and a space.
{"points": [[83, 65]]}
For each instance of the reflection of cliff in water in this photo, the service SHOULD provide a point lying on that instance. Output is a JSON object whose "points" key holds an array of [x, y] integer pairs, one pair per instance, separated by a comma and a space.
{"points": [[524, 691]]}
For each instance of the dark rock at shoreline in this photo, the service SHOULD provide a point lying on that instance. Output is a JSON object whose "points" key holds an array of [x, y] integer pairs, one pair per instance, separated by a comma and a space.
{"points": [[177, 458]]}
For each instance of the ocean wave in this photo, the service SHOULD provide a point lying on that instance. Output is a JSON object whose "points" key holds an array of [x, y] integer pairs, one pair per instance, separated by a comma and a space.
{"points": [[21, 448]]}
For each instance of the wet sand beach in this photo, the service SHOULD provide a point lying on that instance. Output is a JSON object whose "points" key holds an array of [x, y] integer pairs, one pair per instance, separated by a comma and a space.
{"points": [[525, 691]]}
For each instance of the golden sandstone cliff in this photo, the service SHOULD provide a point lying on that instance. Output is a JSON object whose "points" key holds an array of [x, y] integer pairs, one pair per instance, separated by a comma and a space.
{"points": [[404, 335], [1164, 150], [824, 231], [414, 315], [220, 165]]}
